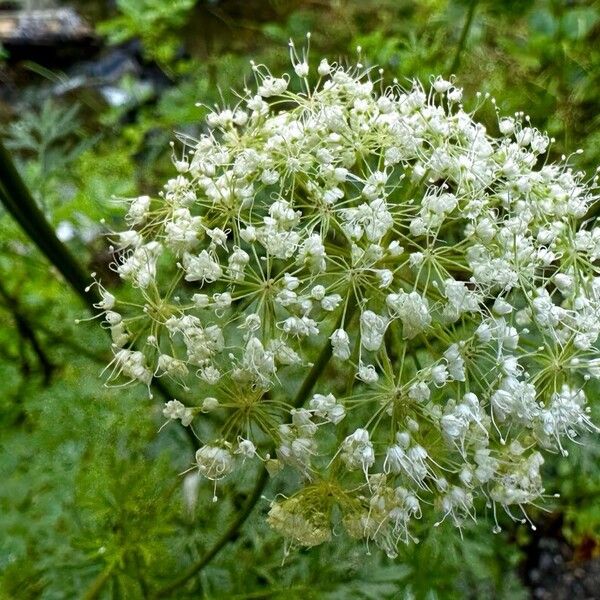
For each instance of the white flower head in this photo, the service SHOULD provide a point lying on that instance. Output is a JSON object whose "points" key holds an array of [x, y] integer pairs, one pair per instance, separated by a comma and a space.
{"points": [[436, 279]]}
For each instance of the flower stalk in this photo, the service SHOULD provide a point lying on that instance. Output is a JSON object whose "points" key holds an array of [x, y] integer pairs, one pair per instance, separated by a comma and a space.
{"points": [[302, 395], [464, 34]]}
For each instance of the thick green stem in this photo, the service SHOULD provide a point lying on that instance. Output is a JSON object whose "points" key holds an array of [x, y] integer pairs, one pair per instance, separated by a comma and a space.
{"points": [[234, 528], [20, 204], [463, 36]]}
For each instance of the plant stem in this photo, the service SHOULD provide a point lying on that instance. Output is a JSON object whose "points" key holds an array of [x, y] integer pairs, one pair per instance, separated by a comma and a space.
{"points": [[228, 536], [232, 531], [27, 332], [19, 202], [463, 36], [99, 582]]}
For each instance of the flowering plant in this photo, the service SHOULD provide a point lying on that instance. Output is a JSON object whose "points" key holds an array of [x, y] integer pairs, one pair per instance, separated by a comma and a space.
{"points": [[361, 284]]}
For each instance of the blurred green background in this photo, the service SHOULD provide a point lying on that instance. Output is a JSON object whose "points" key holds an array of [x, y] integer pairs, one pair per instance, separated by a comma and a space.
{"points": [[92, 504]]}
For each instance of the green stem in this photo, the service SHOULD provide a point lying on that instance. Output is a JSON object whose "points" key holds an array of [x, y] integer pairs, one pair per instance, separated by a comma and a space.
{"points": [[463, 36], [28, 332], [234, 528], [19, 202], [228, 536], [592, 214], [98, 584]]}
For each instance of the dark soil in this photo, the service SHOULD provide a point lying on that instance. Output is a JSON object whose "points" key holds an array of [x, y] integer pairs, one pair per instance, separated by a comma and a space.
{"points": [[555, 570]]}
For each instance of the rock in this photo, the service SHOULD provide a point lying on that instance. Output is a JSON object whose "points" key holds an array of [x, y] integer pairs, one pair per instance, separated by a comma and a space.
{"points": [[43, 27]]}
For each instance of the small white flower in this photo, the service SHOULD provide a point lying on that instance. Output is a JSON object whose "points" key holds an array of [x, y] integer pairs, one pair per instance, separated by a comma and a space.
{"points": [[138, 210], [301, 69], [340, 343], [324, 68], [357, 451], [367, 373], [246, 448], [201, 267], [214, 462], [331, 302], [271, 86], [209, 404], [327, 408], [372, 329], [413, 311]]}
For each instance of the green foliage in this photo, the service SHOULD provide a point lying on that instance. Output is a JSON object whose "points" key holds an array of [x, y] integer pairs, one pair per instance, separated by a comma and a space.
{"points": [[92, 500], [89, 489], [156, 22], [52, 139], [577, 479]]}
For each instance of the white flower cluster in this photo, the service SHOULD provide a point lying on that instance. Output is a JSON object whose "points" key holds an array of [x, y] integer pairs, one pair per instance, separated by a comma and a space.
{"points": [[368, 288]]}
